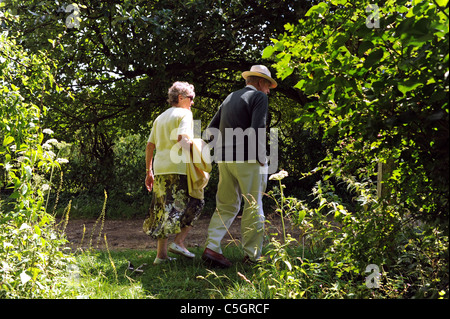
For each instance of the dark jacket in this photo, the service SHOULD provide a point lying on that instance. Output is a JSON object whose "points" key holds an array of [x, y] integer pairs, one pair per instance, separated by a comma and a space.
{"points": [[241, 121]]}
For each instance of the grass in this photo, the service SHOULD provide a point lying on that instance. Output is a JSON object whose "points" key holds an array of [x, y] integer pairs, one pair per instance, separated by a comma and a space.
{"points": [[105, 274], [293, 270]]}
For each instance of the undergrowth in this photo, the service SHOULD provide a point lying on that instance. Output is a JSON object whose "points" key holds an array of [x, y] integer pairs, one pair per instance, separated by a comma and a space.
{"points": [[329, 260]]}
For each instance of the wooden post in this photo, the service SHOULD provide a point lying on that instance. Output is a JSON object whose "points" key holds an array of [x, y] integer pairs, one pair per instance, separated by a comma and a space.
{"points": [[384, 172]]}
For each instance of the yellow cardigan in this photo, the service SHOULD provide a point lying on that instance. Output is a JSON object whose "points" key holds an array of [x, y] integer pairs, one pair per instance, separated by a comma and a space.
{"points": [[198, 168]]}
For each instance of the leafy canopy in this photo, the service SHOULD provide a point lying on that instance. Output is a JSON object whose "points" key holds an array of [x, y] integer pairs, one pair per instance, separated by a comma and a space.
{"points": [[379, 80], [117, 61]]}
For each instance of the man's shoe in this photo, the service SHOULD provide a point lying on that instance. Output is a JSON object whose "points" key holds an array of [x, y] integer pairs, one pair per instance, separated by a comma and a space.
{"points": [[248, 261], [215, 259], [260, 260]]}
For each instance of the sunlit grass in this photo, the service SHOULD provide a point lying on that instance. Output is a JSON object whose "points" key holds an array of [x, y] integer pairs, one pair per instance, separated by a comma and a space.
{"points": [[95, 276]]}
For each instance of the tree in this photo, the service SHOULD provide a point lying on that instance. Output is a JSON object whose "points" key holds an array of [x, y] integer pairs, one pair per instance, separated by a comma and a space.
{"points": [[379, 78], [116, 62]]}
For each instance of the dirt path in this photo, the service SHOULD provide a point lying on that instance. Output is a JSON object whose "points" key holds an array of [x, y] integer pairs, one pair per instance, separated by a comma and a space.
{"points": [[128, 234]]}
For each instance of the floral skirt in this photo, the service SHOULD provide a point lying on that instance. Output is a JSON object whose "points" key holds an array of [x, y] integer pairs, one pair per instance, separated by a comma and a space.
{"points": [[172, 208]]}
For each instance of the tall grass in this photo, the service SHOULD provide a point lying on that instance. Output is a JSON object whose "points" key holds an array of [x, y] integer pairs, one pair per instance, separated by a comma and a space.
{"points": [[106, 274], [323, 266]]}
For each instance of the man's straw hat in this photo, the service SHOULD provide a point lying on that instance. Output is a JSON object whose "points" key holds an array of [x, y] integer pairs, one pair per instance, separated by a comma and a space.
{"points": [[261, 71]]}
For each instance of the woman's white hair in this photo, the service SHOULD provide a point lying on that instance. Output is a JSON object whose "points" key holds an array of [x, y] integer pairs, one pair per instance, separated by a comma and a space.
{"points": [[180, 88]]}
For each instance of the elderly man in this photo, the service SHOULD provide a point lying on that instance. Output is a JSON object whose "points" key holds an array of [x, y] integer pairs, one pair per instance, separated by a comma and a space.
{"points": [[240, 151]]}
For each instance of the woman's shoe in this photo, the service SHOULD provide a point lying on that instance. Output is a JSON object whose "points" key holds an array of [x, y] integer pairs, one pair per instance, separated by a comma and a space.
{"points": [[163, 260], [174, 248]]}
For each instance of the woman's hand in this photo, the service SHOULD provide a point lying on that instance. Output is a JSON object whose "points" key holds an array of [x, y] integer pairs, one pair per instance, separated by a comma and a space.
{"points": [[149, 178], [185, 142], [149, 181]]}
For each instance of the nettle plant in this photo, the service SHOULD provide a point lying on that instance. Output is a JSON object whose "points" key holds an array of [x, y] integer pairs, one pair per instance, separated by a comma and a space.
{"points": [[30, 247]]}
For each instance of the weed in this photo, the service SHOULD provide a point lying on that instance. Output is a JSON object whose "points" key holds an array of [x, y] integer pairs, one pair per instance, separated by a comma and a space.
{"points": [[102, 219]]}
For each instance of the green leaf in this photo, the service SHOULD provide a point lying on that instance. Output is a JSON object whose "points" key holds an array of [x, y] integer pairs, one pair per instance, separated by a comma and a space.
{"points": [[374, 57], [442, 3], [408, 85], [279, 46], [319, 9], [37, 230], [404, 26], [119, 20], [300, 84], [338, 2], [364, 46], [268, 51], [286, 72], [301, 216], [340, 40], [14, 195], [8, 140]]}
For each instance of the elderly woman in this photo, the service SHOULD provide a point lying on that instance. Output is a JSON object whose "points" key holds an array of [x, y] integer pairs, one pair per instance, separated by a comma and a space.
{"points": [[172, 210]]}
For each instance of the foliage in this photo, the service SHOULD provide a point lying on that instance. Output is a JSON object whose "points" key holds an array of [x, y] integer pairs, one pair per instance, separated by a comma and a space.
{"points": [[115, 65], [341, 242], [94, 276], [382, 90], [114, 70], [85, 182], [366, 93], [300, 147], [32, 261]]}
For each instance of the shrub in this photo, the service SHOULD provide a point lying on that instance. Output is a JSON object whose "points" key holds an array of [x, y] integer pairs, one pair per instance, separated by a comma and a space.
{"points": [[31, 256], [381, 90], [412, 257]]}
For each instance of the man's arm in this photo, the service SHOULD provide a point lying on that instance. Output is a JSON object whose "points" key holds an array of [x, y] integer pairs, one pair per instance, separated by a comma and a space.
{"points": [[213, 128], [258, 123], [215, 122]]}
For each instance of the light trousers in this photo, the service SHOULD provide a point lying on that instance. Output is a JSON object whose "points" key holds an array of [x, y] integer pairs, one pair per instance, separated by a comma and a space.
{"points": [[239, 181]]}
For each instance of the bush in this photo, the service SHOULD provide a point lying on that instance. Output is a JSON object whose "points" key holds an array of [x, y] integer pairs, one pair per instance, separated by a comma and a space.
{"points": [[340, 248], [381, 90], [32, 259]]}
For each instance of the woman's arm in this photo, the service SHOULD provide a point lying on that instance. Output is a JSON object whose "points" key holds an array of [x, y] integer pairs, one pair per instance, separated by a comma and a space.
{"points": [[149, 178]]}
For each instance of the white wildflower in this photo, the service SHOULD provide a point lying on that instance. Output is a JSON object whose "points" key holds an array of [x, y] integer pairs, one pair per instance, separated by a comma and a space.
{"points": [[52, 141], [50, 154], [62, 160], [278, 176]]}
